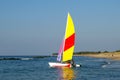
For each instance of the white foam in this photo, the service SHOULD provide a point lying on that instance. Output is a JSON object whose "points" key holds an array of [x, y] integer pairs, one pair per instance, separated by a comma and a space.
{"points": [[26, 58]]}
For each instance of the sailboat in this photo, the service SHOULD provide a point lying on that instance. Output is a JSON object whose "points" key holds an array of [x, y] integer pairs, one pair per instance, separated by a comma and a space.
{"points": [[66, 50]]}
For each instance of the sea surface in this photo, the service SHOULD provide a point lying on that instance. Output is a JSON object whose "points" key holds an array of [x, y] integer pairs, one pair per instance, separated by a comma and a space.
{"points": [[29, 68]]}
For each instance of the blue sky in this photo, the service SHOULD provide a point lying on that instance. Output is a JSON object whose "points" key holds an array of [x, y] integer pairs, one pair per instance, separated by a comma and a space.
{"points": [[36, 27]]}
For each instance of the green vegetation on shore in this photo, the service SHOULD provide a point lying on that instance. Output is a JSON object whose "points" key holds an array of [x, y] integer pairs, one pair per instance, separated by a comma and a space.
{"points": [[89, 52]]}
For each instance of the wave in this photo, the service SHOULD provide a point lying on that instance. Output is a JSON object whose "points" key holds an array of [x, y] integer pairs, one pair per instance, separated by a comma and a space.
{"points": [[22, 57], [106, 63], [15, 58], [9, 58], [26, 58]]}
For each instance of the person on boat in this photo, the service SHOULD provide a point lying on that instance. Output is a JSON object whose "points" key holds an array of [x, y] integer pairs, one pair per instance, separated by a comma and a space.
{"points": [[71, 62]]}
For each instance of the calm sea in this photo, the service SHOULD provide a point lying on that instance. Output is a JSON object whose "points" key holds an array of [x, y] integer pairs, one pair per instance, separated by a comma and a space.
{"points": [[29, 68]]}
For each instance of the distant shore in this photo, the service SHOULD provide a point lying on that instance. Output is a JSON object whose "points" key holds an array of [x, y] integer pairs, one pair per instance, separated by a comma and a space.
{"points": [[108, 55], [115, 55]]}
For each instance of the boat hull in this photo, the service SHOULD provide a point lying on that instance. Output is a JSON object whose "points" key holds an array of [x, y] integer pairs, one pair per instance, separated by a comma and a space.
{"points": [[55, 64]]}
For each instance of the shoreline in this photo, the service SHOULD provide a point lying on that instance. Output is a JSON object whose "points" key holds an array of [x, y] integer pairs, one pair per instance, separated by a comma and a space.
{"points": [[109, 55]]}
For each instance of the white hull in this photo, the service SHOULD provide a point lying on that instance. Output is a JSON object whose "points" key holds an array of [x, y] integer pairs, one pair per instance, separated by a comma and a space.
{"points": [[55, 64]]}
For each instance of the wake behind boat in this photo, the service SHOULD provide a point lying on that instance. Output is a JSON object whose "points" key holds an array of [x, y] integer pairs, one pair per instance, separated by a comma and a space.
{"points": [[66, 50]]}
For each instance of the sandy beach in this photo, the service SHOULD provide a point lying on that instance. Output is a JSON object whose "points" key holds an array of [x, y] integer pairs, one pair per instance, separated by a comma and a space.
{"points": [[109, 55]]}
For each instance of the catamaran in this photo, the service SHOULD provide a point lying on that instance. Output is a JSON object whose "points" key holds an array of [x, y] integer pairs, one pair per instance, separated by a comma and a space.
{"points": [[66, 50]]}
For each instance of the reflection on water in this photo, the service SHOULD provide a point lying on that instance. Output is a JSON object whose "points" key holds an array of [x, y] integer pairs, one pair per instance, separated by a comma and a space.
{"points": [[66, 73]]}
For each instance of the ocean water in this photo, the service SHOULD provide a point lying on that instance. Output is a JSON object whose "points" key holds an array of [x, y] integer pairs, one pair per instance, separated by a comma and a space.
{"points": [[28, 68]]}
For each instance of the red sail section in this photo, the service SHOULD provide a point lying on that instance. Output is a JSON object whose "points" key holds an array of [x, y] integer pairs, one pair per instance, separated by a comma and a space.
{"points": [[69, 42]]}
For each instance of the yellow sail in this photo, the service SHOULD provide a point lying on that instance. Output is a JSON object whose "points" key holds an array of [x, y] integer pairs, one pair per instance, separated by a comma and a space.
{"points": [[69, 40]]}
